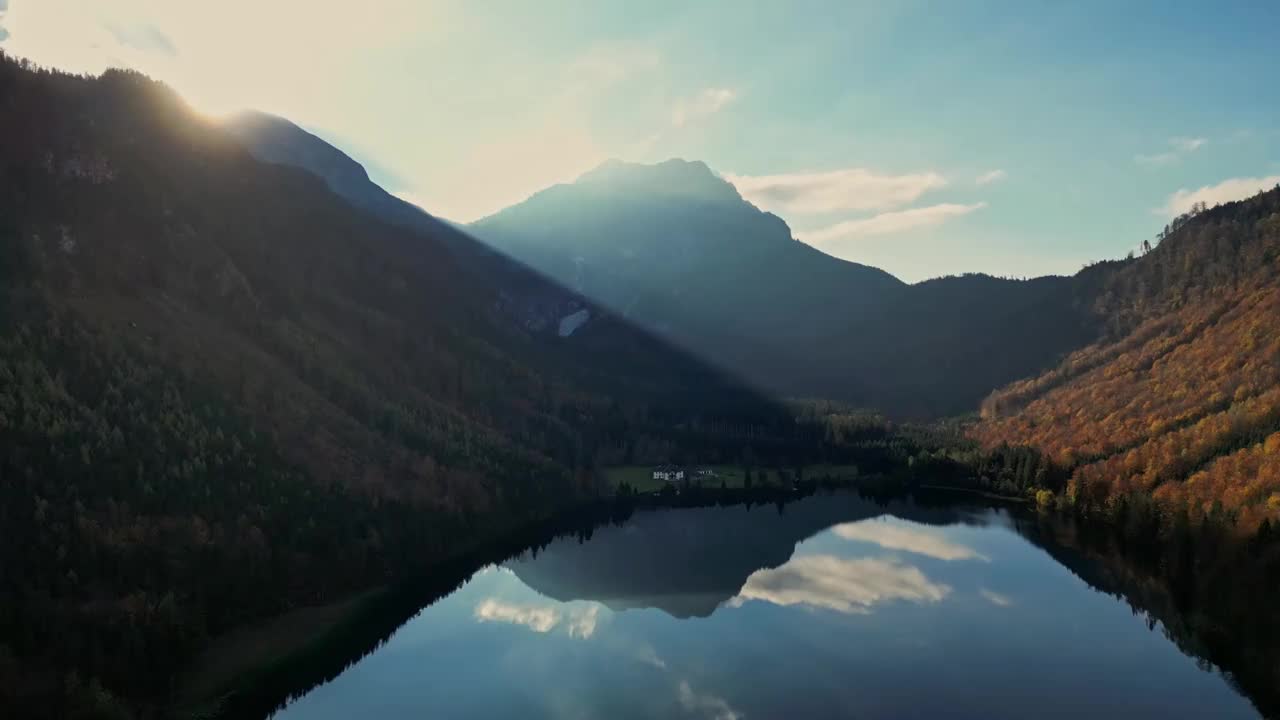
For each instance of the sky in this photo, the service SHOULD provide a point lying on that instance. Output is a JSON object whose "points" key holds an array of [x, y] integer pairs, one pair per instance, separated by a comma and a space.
{"points": [[1017, 138]]}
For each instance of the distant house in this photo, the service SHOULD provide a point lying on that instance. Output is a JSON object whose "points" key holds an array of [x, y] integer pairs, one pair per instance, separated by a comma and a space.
{"points": [[668, 473]]}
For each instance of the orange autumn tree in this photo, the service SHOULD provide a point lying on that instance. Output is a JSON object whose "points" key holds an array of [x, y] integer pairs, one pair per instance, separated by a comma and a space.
{"points": [[1182, 399]]}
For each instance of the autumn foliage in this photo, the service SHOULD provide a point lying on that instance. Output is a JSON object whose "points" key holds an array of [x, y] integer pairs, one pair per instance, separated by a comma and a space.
{"points": [[1183, 400]]}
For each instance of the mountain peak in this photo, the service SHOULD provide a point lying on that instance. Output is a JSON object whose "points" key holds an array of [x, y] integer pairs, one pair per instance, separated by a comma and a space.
{"points": [[691, 179]]}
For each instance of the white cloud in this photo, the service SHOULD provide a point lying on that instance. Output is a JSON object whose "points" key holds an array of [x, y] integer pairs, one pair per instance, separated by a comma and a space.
{"points": [[1188, 144], [844, 585], [707, 102], [712, 706], [887, 223], [834, 191], [995, 598], [1226, 191], [911, 538], [1180, 146], [580, 622], [539, 619], [989, 177]]}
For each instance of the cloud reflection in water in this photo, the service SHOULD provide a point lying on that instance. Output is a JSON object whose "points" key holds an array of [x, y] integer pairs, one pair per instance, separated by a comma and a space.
{"points": [[908, 537], [844, 585], [580, 622], [712, 706]]}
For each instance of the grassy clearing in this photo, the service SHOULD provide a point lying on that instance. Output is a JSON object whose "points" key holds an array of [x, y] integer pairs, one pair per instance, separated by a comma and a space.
{"points": [[639, 477]]}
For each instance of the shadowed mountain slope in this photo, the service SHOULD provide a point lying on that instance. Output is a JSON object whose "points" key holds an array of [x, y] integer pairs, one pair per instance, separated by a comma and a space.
{"points": [[225, 392], [676, 248]]}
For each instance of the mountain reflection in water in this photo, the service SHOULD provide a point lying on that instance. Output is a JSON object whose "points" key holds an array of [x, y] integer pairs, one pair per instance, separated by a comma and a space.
{"points": [[830, 606], [688, 563]]}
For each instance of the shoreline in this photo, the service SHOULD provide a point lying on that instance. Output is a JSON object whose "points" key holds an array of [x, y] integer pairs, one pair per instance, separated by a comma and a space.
{"points": [[980, 493], [231, 658], [235, 674]]}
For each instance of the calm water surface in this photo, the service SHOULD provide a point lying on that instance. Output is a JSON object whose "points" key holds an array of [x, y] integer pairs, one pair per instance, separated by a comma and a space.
{"points": [[831, 607]]}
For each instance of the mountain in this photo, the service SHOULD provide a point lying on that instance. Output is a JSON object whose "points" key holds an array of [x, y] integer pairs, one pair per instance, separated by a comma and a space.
{"points": [[236, 378], [1155, 375], [227, 391], [719, 548], [276, 140], [676, 248], [1181, 398]]}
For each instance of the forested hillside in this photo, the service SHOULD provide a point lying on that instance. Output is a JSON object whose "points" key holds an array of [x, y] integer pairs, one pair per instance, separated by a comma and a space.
{"points": [[225, 392], [1183, 402]]}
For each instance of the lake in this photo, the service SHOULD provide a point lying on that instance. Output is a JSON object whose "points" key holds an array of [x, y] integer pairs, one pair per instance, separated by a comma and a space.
{"points": [[828, 607]]}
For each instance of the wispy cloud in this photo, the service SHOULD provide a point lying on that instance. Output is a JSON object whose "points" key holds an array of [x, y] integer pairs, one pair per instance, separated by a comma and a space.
{"points": [[579, 622], [840, 584], [1164, 158], [1188, 144], [1178, 147], [1228, 190], [708, 102], [142, 36], [887, 223], [995, 598], [989, 177], [913, 539], [849, 189], [647, 655], [711, 706]]}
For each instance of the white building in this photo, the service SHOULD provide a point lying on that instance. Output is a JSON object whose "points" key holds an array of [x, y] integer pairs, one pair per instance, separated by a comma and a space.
{"points": [[669, 473]]}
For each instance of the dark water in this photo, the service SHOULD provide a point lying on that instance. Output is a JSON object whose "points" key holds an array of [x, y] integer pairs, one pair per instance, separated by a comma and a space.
{"points": [[830, 607]]}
